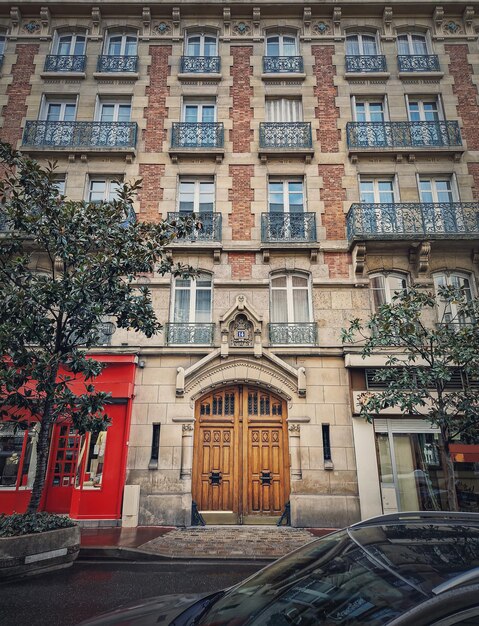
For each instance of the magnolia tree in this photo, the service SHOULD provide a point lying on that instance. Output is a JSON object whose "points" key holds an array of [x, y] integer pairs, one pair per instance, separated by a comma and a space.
{"points": [[65, 268], [423, 361]]}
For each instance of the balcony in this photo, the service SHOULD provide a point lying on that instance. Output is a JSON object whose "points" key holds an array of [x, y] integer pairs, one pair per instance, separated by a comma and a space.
{"points": [[189, 334], [111, 64], [79, 136], [288, 228], [73, 64], [301, 333], [419, 63], [285, 138], [413, 221], [404, 136], [207, 67], [365, 64], [210, 226], [197, 138], [281, 68]]}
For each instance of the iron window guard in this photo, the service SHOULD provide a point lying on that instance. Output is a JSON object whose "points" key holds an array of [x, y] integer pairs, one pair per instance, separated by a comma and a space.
{"points": [[114, 63], [295, 135], [200, 65], [365, 63], [189, 333], [288, 227], [283, 65], [197, 135], [295, 333], [65, 63], [418, 63], [435, 134], [44, 134]]}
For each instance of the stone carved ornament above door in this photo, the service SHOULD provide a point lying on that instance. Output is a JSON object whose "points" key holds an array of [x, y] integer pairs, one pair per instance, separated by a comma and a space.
{"points": [[241, 329]]}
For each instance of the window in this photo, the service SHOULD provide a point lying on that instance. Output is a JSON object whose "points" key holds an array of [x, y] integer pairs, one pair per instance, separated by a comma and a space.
{"points": [[196, 196], [102, 189], [427, 110], [195, 112], [279, 45], [192, 300], [17, 457], [290, 299], [59, 110], [377, 190], [155, 447], [441, 193], [285, 196], [284, 110], [437, 190], [447, 313], [113, 110], [60, 184], [121, 45], [201, 45], [369, 110], [380, 215], [3, 43], [361, 45], [413, 43], [369, 129], [69, 44], [385, 286]]}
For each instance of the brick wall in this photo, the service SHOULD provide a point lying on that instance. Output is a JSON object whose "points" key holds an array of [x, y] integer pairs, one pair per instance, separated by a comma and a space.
{"points": [[18, 90], [156, 112], [474, 172], [338, 264], [333, 194], [325, 91], [151, 192], [241, 264], [241, 195], [241, 92], [466, 93]]}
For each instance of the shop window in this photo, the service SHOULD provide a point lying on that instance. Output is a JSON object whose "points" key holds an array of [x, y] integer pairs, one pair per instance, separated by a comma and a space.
{"points": [[91, 459], [17, 457]]}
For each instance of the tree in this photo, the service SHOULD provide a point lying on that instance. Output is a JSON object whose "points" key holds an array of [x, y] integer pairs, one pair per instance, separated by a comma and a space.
{"points": [[66, 268], [423, 362]]}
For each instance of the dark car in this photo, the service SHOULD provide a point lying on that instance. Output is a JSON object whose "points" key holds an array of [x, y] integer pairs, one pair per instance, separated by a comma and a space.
{"points": [[414, 569]]}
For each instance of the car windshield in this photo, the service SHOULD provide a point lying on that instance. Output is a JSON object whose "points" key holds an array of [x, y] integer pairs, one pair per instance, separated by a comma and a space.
{"points": [[329, 581], [361, 576]]}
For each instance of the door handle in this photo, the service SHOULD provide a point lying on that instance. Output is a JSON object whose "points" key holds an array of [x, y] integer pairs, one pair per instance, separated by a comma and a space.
{"points": [[215, 477], [265, 477]]}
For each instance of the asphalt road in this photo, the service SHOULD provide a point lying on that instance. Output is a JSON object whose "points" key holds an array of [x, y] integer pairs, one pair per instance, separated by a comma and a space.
{"points": [[69, 596]]}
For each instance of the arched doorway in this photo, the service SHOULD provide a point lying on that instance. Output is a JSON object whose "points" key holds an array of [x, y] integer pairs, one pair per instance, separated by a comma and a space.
{"points": [[241, 457]]}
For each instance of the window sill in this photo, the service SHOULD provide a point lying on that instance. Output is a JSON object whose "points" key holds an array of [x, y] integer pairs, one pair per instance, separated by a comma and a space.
{"points": [[287, 76], [420, 75], [199, 76], [116, 75], [366, 75], [63, 75]]}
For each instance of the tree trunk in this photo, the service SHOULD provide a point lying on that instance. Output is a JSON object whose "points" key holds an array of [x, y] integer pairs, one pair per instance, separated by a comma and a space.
{"points": [[449, 475], [43, 448]]}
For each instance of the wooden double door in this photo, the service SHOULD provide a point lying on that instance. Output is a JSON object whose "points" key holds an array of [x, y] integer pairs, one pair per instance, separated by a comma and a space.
{"points": [[241, 459]]}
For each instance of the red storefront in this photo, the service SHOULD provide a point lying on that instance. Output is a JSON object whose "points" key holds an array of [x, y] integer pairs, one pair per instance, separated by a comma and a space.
{"points": [[86, 474]]}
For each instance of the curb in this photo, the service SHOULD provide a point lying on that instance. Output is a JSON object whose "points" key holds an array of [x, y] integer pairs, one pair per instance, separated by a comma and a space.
{"points": [[136, 554]]}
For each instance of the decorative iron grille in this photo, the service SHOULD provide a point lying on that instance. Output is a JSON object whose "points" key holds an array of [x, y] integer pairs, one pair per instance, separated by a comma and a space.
{"points": [[285, 135], [210, 226], [197, 135], [200, 65], [183, 333], [418, 63], [42, 134], [65, 63], [403, 134], [441, 220], [111, 63], [283, 65], [293, 227], [366, 63], [295, 333]]}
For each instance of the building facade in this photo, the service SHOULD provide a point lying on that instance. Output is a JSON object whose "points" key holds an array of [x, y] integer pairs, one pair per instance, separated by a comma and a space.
{"points": [[332, 154]]}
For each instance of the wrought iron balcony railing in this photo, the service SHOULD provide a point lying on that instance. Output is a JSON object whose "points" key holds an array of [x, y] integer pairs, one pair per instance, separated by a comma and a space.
{"points": [[403, 134], [294, 135], [418, 63], [111, 63], [65, 63], [288, 227], [197, 135], [200, 65], [301, 333], [412, 220], [87, 135], [186, 334], [210, 226], [365, 63], [283, 65]]}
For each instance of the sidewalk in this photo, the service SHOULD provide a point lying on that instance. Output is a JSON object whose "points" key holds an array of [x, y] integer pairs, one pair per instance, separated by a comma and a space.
{"points": [[207, 542]]}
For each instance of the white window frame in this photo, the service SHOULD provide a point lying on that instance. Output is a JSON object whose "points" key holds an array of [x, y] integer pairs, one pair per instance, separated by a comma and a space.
{"points": [[285, 182], [197, 180], [63, 101], [409, 35], [376, 179], [201, 35], [193, 291], [452, 179], [74, 35], [355, 100], [281, 36], [3, 43], [290, 294], [387, 289], [123, 35], [116, 102], [61, 179], [421, 100], [360, 36], [441, 306], [107, 179], [199, 103], [287, 112]]}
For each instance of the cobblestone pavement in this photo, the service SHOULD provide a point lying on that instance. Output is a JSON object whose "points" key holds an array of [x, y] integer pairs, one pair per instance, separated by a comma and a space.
{"points": [[240, 542]]}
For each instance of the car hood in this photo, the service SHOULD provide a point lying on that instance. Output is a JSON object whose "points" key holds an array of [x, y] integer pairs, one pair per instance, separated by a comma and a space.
{"points": [[156, 611]]}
